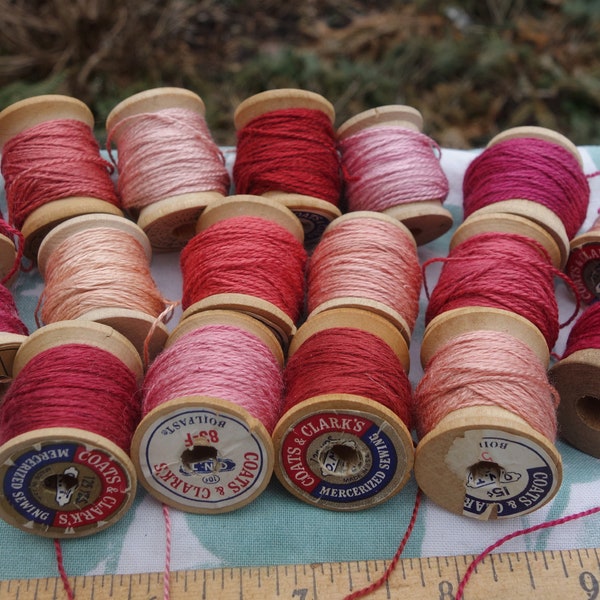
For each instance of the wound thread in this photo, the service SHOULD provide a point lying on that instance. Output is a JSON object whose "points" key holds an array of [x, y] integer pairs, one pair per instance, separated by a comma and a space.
{"points": [[10, 322], [585, 333]]}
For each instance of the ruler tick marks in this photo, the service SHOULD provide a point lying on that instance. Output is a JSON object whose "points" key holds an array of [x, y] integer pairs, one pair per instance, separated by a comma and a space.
{"points": [[531, 577]]}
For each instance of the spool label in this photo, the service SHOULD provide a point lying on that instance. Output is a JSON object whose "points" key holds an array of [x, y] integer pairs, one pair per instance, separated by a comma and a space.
{"points": [[197, 458], [339, 457], [510, 475], [64, 486], [314, 224], [583, 267]]}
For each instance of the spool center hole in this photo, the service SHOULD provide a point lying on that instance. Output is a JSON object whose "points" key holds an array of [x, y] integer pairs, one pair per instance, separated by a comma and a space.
{"points": [[198, 454], [341, 459], [484, 473], [588, 409], [61, 483]]}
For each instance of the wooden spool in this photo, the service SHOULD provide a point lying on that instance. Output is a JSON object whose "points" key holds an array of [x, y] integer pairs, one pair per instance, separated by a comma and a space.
{"points": [[367, 303], [583, 266], [168, 223], [485, 462], [26, 114], [342, 451], [314, 213], [62, 482], [243, 205], [204, 454], [426, 219], [529, 209], [135, 325], [8, 256], [577, 380]]}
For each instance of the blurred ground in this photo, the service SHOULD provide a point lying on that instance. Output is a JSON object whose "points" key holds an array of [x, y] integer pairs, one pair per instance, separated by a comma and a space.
{"points": [[472, 68]]}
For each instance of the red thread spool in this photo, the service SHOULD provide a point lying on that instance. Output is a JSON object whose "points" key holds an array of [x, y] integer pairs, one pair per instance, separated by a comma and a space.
{"points": [[560, 215], [57, 186], [583, 266], [576, 376], [13, 333], [210, 401], [65, 425], [482, 459], [103, 256], [366, 260], [8, 252], [343, 442], [167, 220], [247, 256], [424, 216], [286, 149]]}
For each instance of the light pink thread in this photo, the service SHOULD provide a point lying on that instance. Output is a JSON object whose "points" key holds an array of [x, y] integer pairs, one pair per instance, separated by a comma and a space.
{"points": [[387, 166], [220, 361], [167, 570], [166, 153]]}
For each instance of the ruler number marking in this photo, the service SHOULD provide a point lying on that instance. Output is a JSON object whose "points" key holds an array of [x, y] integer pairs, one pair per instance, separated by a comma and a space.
{"points": [[589, 584]]}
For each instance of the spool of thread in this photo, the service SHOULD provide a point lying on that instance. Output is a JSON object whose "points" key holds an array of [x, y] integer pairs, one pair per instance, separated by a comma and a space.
{"points": [[97, 268], [210, 402], [502, 271], [286, 149], [9, 258], [532, 172], [248, 256], [390, 166], [13, 333], [576, 376], [343, 442], [366, 260], [52, 166], [65, 427], [169, 166], [583, 266], [485, 416]]}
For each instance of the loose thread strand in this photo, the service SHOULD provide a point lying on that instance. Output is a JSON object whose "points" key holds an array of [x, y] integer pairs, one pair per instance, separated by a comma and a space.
{"points": [[167, 570], [61, 570]]}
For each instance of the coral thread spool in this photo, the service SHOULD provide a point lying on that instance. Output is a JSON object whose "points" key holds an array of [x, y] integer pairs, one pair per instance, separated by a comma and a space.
{"points": [[367, 260], [583, 266], [485, 461], [67, 481], [204, 453], [426, 218], [530, 209], [314, 212], [169, 222], [94, 305], [576, 376], [340, 450], [271, 213], [29, 113]]}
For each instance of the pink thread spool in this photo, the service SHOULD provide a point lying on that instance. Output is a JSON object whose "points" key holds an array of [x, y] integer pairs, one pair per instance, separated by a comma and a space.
{"points": [[62, 481], [576, 376], [367, 260], [535, 211], [8, 253], [340, 450], [169, 221], [202, 450], [425, 217], [138, 321], [12, 334], [314, 213], [26, 114], [272, 213], [583, 266]]}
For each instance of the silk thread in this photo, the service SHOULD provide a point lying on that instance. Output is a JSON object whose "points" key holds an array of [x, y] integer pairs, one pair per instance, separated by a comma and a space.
{"points": [[18, 239], [386, 166], [585, 333], [10, 322], [62, 571], [51, 161], [293, 151]]}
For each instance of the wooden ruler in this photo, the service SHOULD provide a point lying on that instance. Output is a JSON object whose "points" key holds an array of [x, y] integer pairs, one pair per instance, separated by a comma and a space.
{"points": [[571, 574]]}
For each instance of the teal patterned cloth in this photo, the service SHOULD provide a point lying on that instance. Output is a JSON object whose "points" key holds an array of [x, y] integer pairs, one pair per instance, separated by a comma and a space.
{"points": [[277, 528]]}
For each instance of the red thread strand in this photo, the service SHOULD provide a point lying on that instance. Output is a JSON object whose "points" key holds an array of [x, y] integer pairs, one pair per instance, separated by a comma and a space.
{"points": [[245, 255], [62, 571], [51, 161], [585, 333], [529, 169], [349, 361], [499, 270], [10, 321], [74, 385], [292, 150]]}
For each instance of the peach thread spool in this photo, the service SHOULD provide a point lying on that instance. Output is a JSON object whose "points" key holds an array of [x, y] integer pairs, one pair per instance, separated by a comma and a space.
{"points": [[210, 401], [66, 474], [576, 376], [247, 277], [314, 211], [368, 260], [336, 447], [583, 266], [72, 119], [169, 166], [389, 165], [97, 268], [551, 214]]}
